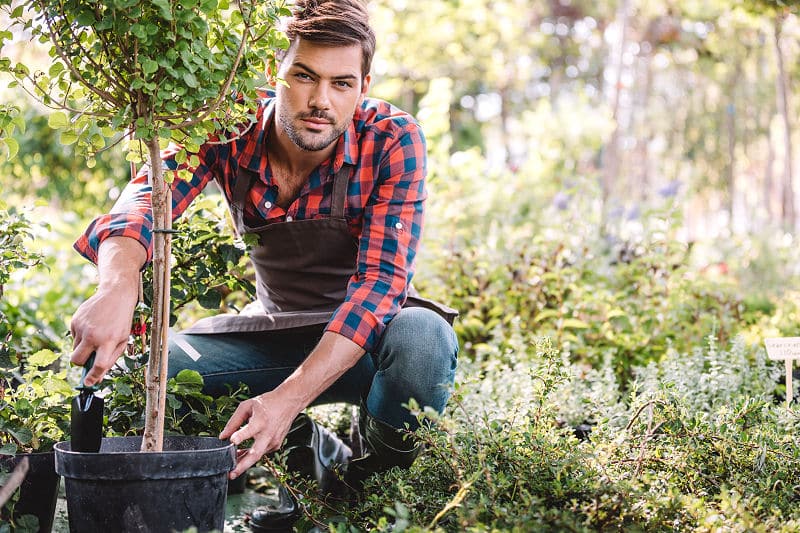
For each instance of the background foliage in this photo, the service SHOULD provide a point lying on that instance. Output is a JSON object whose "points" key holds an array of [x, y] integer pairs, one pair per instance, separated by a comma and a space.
{"points": [[611, 210]]}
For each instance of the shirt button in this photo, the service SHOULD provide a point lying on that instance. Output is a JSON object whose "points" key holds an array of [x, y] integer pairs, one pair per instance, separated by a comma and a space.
{"points": [[289, 218], [399, 225], [267, 204]]}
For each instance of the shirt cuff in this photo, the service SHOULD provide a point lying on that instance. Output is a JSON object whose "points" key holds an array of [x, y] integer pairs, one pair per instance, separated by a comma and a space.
{"points": [[358, 324], [114, 225]]}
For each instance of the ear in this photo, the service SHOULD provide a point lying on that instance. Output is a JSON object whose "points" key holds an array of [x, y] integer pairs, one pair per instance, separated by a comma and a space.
{"points": [[364, 87]]}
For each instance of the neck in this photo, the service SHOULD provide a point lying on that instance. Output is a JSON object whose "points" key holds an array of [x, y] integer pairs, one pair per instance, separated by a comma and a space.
{"points": [[295, 160]]}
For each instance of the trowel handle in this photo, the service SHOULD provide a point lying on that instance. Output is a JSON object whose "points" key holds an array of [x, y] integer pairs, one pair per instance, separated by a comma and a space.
{"points": [[87, 366]]}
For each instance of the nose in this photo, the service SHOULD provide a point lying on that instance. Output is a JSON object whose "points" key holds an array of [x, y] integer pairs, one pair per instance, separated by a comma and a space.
{"points": [[320, 97]]}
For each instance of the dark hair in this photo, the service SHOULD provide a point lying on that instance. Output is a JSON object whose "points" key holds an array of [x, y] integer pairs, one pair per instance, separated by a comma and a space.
{"points": [[334, 23]]}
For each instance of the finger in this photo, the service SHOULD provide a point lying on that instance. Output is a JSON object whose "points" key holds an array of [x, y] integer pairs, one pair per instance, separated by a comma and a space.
{"points": [[81, 353], [245, 461], [103, 362], [243, 434], [76, 336], [238, 418]]}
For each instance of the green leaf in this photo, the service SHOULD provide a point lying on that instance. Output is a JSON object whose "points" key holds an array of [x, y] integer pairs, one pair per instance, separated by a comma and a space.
{"points": [[166, 8], [58, 120], [547, 313], [574, 323], [68, 137], [190, 80], [616, 313], [8, 448], [23, 408], [189, 377], [43, 358], [13, 147], [27, 523], [208, 6], [56, 69], [149, 66], [23, 435], [210, 300]]}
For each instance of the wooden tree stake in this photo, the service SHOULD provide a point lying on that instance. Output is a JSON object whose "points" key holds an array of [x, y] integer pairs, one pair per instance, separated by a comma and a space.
{"points": [[156, 378]]}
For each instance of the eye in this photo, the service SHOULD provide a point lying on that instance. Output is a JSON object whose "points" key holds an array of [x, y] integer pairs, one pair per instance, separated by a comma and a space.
{"points": [[343, 84], [302, 76]]}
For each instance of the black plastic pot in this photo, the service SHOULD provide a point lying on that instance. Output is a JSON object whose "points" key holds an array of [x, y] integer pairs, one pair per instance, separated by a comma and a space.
{"points": [[121, 489], [39, 490]]}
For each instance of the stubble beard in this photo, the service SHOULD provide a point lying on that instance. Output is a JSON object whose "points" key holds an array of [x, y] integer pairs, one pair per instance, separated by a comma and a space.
{"points": [[309, 144]]}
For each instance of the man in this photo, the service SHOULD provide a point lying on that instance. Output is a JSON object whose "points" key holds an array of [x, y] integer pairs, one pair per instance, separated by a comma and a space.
{"points": [[332, 183]]}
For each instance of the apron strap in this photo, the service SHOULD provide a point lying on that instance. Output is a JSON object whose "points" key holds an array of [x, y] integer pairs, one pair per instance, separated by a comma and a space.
{"points": [[244, 181], [339, 198]]}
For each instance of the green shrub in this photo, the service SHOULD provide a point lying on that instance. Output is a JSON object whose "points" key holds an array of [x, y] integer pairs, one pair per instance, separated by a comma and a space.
{"points": [[696, 443], [34, 406]]}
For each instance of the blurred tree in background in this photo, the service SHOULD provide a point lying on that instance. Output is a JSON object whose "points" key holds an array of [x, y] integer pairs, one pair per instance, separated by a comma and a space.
{"points": [[690, 98], [573, 135]]}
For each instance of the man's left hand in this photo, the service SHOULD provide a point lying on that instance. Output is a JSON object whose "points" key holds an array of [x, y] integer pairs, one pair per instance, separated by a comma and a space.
{"points": [[266, 419]]}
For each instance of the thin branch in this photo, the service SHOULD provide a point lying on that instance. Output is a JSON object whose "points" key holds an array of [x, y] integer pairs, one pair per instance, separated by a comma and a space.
{"points": [[87, 55], [112, 145], [62, 54], [58, 105]]}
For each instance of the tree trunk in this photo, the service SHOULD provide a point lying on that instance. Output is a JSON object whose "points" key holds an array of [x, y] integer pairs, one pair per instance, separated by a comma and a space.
{"points": [[156, 378], [505, 136], [730, 122], [641, 186], [611, 153], [787, 191]]}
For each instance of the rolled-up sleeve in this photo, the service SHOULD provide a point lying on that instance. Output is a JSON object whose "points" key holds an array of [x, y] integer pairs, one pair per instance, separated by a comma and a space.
{"points": [[132, 214], [392, 227]]}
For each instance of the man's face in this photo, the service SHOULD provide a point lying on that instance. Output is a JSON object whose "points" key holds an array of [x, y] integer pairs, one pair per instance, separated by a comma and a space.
{"points": [[325, 87]]}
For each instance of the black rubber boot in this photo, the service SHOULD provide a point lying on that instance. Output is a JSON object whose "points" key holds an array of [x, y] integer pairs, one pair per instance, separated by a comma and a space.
{"points": [[313, 452], [386, 447]]}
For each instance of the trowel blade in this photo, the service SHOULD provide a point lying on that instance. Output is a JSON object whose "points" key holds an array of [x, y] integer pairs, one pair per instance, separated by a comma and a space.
{"points": [[86, 422]]}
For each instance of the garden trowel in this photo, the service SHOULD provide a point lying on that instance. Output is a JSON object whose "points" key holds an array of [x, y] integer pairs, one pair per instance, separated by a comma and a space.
{"points": [[87, 415]]}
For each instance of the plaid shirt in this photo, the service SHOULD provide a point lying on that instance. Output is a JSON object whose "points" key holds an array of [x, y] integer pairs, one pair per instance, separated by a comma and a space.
{"points": [[386, 194]]}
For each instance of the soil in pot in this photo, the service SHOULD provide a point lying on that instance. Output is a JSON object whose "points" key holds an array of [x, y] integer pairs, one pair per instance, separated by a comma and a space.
{"points": [[121, 489], [39, 490]]}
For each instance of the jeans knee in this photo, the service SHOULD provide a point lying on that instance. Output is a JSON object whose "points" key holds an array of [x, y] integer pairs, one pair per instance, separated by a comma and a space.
{"points": [[422, 340]]}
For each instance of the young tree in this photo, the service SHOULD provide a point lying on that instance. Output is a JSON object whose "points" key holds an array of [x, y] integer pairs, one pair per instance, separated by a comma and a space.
{"points": [[149, 72]]}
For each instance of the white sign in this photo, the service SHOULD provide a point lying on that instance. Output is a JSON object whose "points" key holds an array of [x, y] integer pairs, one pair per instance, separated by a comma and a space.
{"points": [[783, 348], [788, 349]]}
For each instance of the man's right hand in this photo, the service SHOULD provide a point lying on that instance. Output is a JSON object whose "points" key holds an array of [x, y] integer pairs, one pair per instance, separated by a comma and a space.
{"points": [[102, 324]]}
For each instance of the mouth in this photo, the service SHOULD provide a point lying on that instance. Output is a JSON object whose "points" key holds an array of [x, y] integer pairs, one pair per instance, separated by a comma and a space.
{"points": [[315, 122]]}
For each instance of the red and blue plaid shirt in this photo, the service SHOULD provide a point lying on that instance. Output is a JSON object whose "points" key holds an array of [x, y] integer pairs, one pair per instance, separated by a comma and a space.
{"points": [[386, 194]]}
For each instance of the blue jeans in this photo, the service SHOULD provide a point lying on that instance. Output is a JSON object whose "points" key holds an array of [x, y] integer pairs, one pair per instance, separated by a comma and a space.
{"points": [[415, 358]]}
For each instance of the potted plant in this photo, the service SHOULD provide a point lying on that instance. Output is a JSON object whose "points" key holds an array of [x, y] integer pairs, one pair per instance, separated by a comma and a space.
{"points": [[33, 418], [33, 396], [151, 72]]}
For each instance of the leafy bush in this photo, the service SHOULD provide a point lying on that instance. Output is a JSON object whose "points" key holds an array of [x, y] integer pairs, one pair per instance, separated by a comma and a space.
{"points": [[695, 444], [535, 251], [188, 412], [34, 411]]}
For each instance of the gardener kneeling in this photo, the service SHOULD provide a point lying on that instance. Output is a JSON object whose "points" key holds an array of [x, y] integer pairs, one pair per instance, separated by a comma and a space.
{"points": [[332, 183]]}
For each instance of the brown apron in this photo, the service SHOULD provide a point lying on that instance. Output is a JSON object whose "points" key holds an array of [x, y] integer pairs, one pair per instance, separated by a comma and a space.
{"points": [[302, 268]]}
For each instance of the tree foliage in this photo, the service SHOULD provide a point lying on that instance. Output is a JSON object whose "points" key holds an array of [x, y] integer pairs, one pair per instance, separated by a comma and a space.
{"points": [[147, 68]]}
